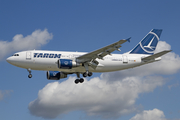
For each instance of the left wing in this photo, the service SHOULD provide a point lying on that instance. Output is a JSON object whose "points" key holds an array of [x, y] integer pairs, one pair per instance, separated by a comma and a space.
{"points": [[100, 53]]}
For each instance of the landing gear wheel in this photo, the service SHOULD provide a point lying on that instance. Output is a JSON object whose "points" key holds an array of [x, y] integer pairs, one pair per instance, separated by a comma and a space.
{"points": [[77, 81], [81, 80], [30, 76], [90, 74], [85, 74]]}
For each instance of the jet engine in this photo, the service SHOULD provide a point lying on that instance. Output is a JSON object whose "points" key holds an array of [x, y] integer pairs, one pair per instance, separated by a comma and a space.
{"points": [[67, 64], [55, 75]]}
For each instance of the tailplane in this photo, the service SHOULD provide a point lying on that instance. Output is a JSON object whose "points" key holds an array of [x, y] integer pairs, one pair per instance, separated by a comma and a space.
{"points": [[148, 44]]}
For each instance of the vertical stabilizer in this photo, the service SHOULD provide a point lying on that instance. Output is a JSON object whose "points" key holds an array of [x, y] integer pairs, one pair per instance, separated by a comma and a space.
{"points": [[148, 44]]}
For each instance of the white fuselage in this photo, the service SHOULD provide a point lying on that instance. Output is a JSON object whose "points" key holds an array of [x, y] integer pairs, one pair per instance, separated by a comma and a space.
{"points": [[47, 61], [59, 64]]}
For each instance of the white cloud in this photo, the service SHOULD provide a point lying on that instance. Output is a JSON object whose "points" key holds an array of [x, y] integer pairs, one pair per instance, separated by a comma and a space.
{"points": [[173, 85], [109, 96], [154, 114], [162, 45], [96, 97], [4, 93], [19, 42]]}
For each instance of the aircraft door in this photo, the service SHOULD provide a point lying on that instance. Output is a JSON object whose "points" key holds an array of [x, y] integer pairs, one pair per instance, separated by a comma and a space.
{"points": [[125, 59], [28, 55]]}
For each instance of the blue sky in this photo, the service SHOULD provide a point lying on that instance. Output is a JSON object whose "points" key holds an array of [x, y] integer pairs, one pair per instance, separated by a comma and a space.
{"points": [[85, 25]]}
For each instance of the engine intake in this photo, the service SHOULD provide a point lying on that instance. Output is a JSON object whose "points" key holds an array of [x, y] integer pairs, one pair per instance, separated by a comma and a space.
{"points": [[55, 75], [67, 64]]}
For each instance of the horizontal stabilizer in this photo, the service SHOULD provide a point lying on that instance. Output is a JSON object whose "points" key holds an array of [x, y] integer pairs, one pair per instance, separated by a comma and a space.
{"points": [[152, 57]]}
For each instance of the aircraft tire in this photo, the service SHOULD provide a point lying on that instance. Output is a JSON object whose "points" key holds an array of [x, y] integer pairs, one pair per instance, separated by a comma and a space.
{"points": [[85, 74], [30, 76], [77, 81], [81, 80], [90, 74]]}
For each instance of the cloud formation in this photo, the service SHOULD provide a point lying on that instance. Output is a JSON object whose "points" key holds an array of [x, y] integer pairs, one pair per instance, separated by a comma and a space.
{"points": [[109, 96], [96, 97], [19, 42], [4, 93], [154, 114]]}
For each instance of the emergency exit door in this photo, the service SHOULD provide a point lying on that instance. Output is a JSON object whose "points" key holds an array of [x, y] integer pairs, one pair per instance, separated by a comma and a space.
{"points": [[125, 59], [28, 55]]}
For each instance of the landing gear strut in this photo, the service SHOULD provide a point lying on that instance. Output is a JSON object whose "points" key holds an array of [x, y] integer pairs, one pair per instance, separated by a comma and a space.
{"points": [[87, 73], [30, 75]]}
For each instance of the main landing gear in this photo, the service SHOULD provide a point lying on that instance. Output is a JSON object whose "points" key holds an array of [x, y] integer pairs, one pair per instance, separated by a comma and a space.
{"points": [[81, 80], [30, 75], [85, 74]]}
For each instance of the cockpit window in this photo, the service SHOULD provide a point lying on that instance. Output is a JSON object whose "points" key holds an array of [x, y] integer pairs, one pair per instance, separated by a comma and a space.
{"points": [[15, 55]]}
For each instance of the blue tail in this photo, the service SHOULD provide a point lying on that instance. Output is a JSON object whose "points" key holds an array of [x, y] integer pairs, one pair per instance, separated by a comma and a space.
{"points": [[148, 44]]}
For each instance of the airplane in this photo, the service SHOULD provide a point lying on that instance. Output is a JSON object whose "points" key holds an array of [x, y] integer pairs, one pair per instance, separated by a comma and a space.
{"points": [[59, 64]]}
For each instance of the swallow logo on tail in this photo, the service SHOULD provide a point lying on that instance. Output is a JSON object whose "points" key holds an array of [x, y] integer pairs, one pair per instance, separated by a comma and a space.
{"points": [[148, 44]]}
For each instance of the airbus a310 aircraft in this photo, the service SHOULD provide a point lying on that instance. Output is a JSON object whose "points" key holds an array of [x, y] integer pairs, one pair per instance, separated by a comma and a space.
{"points": [[59, 64]]}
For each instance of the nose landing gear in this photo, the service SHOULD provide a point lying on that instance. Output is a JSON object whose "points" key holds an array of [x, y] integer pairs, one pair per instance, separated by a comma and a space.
{"points": [[30, 75]]}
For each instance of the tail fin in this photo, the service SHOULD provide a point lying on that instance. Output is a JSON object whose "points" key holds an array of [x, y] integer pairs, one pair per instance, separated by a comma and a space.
{"points": [[148, 44]]}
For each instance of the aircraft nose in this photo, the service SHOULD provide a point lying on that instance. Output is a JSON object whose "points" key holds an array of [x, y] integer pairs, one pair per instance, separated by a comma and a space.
{"points": [[9, 60]]}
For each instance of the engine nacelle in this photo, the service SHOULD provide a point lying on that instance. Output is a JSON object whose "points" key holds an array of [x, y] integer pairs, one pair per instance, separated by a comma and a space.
{"points": [[55, 75], [67, 64]]}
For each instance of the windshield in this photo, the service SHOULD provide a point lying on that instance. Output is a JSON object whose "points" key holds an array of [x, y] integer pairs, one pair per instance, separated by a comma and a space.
{"points": [[15, 55]]}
